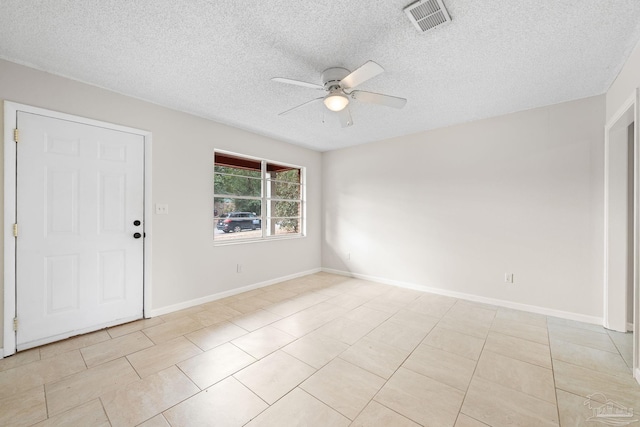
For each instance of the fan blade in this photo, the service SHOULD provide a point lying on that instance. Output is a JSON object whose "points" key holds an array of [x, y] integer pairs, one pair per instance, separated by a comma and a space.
{"points": [[378, 98], [345, 117], [301, 105], [297, 83], [367, 71]]}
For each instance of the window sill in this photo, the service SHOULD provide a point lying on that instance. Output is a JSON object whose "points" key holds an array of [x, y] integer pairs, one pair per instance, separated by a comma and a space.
{"points": [[259, 240]]}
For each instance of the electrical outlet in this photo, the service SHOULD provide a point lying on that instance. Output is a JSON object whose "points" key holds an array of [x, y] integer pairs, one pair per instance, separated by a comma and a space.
{"points": [[162, 209], [239, 268], [508, 277]]}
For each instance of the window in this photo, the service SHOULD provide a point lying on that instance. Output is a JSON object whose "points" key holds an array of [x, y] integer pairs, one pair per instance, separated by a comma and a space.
{"points": [[256, 199]]}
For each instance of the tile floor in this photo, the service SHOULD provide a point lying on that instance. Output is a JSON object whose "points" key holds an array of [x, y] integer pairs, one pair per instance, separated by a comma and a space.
{"points": [[324, 350]]}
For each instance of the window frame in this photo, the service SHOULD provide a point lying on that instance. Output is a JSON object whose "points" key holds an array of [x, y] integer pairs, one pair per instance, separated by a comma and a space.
{"points": [[265, 199]]}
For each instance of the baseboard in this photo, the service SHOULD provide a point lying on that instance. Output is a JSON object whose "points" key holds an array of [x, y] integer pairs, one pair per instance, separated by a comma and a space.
{"points": [[203, 300], [407, 285], [476, 298], [630, 327]]}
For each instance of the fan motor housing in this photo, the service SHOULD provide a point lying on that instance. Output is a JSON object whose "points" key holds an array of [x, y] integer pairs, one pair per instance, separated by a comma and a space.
{"points": [[331, 77]]}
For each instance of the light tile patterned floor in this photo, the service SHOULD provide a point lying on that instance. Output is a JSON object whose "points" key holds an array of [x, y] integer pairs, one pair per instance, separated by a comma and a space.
{"points": [[324, 350]]}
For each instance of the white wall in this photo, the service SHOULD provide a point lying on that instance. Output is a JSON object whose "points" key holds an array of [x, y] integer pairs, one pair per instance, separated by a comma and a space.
{"points": [[186, 264], [456, 208]]}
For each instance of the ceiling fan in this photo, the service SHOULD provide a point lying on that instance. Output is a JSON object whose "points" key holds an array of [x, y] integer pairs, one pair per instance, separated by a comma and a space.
{"points": [[339, 84]]}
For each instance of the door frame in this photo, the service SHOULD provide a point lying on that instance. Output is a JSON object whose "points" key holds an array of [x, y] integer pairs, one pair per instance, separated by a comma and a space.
{"points": [[11, 110], [627, 113]]}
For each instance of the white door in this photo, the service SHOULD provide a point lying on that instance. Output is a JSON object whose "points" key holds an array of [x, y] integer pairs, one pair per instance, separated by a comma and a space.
{"points": [[80, 211]]}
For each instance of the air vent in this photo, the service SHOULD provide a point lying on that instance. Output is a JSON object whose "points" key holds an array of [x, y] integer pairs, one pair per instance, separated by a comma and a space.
{"points": [[427, 14]]}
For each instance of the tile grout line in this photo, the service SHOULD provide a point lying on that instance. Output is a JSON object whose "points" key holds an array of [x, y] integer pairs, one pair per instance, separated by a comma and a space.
{"points": [[619, 350], [386, 380], [553, 373], [612, 373], [337, 356], [316, 369], [46, 401], [473, 374], [521, 338]]}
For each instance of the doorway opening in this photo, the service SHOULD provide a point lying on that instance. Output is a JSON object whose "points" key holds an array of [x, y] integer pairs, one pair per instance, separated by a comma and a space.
{"points": [[622, 224]]}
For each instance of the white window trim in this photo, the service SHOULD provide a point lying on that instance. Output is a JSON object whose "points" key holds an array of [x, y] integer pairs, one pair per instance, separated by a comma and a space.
{"points": [[264, 199]]}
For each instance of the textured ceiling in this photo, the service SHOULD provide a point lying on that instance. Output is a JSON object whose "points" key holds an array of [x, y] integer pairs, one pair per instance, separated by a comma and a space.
{"points": [[215, 58]]}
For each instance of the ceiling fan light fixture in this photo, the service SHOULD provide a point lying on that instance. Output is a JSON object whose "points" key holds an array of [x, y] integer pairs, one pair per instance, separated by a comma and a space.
{"points": [[336, 102], [339, 84]]}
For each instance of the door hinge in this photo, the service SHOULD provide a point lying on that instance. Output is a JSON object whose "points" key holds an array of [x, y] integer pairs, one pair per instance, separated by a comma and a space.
{"points": [[16, 135], [15, 230], [15, 324]]}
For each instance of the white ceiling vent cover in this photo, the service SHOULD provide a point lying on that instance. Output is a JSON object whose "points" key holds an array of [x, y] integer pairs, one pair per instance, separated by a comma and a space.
{"points": [[427, 14]]}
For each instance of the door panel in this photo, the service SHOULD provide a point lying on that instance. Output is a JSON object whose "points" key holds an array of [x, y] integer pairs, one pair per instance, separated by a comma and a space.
{"points": [[112, 203], [111, 269], [61, 284], [61, 204], [79, 190]]}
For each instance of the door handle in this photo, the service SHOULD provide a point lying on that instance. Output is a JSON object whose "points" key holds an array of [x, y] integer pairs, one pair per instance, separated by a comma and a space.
{"points": [[137, 235], [136, 222]]}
